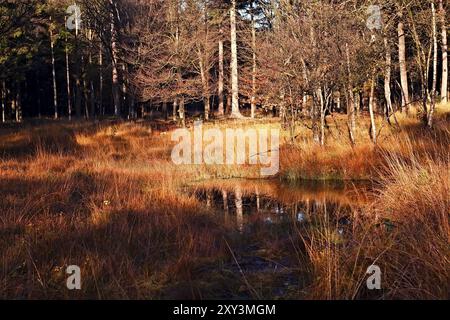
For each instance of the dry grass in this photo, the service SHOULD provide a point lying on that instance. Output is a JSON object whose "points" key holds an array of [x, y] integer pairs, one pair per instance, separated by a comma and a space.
{"points": [[106, 197], [339, 160], [405, 231]]}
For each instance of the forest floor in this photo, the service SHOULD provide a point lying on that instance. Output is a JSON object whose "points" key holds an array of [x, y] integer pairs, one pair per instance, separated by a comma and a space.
{"points": [[106, 196]]}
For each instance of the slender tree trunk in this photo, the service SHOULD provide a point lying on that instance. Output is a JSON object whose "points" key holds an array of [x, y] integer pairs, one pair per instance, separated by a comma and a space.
{"points": [[85, 90], [402, 62], [235, 113], [435, 58], [175, 109], [225, 201], [100, 86], [55, 92], [357, 99], [253, 98], [228, 108], [351, 100], [239, 208], [221, 74], [315, 115], [182, 112], [387, 79], [78, 75], [69, 96], [206, 100], [444, 85], [373, 128], [3, 98], [91, 81], [206, 68], [18, 104], [125, 104], [207, 103], [322, 117], [114, 60]]}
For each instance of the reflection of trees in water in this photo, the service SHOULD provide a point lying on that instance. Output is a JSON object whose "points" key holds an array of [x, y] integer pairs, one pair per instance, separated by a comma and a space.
{"points": [[239, 208], [241, 205]]}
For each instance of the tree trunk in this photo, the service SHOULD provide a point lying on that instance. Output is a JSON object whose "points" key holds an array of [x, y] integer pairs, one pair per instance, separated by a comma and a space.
{"points": [[221, 74], [85, 91], [402, 62], [444, 85], [182, 112], [77, 77], [322, 117], [206, 67], [175, 109], [228, 108], [387, 79], [253, 98], [205, 80], [114, 60], [435, 58], [91, 81], [18, 104], [55, 92], [239, 208], [3, 98], [373, 128], [69, 96], [235, 113], [225, 201], [351, 100], [125, 104], [100, 85], [315, 115]]}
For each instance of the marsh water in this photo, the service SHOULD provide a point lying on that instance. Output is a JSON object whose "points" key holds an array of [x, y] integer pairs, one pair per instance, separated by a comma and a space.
{"points": [[265, 223]]}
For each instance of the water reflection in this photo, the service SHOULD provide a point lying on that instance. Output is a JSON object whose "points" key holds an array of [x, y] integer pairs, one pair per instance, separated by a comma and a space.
{"points": [[244, 203]]}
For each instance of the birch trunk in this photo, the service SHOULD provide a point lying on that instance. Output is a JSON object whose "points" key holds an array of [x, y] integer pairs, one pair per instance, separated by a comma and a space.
{"points": [[114, 60], [435, 58], [100, 85], [322, 117], [239, 208], [351, 100], [85, 91], [402, 62], [182, 112], [221, 74], [387, 79], [3, 98], [55, 91], [18, 104], [253, 98], [444, 85], [91, 82], [206, 100], [235, 113], [175, 109], [69, 96], [373, 128]]}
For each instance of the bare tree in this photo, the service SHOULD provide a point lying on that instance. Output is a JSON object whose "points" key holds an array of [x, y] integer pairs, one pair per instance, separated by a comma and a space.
{"points": [[235, 112], [402, 62], [443, 21]]}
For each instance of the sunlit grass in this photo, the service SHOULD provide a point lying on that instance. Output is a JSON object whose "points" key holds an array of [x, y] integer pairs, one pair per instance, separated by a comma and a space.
{"points": [[107, 197]]}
